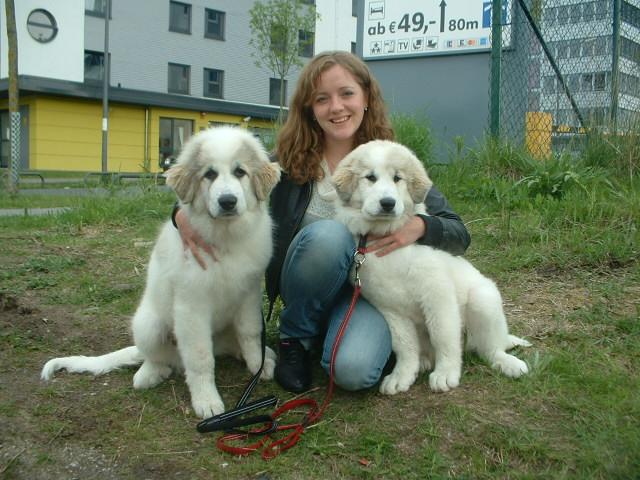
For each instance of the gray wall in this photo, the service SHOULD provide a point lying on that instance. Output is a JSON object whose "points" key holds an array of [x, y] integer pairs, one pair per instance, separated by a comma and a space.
{"points": [[141, 47], [452, 91]]}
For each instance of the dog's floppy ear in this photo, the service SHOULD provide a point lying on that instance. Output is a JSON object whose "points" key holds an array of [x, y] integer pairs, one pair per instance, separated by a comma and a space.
{"points": [[182, 177], [265, 178], [345, 179], [418, 182]]}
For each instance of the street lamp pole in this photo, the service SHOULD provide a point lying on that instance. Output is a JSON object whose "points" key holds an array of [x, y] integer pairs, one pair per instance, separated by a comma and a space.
{"points": [[105, 87]]}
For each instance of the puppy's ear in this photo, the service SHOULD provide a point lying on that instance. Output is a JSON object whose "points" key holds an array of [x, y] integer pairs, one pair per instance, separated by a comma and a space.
{"points": [[265, 178], [183, 176], [345, 179], [418, 182]]}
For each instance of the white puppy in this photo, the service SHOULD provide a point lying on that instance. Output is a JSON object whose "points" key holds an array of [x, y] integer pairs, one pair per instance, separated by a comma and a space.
{"points": [[427, 296], [187, 314]]}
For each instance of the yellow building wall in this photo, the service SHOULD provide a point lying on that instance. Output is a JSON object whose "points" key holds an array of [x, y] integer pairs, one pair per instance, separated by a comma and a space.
{"points": [[66, 133]]}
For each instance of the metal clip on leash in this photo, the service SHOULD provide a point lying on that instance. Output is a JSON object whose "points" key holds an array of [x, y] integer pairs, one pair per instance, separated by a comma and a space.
{"points": [[358, 260]]}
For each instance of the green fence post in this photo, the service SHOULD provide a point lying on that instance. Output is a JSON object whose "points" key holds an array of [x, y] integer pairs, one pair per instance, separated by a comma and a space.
{"points": [[496, 58], [615, 65]]}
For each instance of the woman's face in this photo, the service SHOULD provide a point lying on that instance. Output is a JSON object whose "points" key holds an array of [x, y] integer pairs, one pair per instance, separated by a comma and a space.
{"points": [[338, 105]]}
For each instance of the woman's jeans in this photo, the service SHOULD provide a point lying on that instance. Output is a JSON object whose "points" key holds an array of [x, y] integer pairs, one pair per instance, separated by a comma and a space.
{"points": [[316, 293]]}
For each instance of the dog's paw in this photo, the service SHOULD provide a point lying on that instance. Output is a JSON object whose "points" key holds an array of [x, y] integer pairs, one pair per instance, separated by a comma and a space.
{"points": [[509, 365], [396, 383], [517, 342], [149, 375], [443, 380], [205, 408], [268, 368]]}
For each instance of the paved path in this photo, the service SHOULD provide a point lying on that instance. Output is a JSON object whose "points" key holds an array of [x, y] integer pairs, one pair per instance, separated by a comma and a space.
{"points": [[67, 192], [27, 212]]}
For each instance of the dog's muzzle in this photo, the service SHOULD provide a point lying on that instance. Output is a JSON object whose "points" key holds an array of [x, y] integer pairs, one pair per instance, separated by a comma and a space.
{"points": [[387, 204], [228, 203]]}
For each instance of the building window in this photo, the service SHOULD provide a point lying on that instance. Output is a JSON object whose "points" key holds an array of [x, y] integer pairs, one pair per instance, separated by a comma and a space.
{"points": [[354, 8], [353, 47], [305, 43], [93, 66], [95, 8], [600, 81], [214, 24], [179, 78], [174, 132], [213, 83], [630, 14], [274, 91], [179, 17]]}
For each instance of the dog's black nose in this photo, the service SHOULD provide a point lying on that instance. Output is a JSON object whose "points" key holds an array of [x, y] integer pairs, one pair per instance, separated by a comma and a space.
{"points": [[227, 201], [387, 204]]}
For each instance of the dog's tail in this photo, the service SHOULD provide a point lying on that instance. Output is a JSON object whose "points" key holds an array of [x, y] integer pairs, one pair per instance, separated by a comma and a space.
{"points": [[126, 357]]}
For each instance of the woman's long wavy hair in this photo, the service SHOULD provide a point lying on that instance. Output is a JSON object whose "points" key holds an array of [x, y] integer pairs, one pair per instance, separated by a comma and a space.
{"points": [[300, 141]]}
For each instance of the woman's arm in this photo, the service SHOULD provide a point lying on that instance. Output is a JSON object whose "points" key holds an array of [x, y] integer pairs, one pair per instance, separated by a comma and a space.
{"points": [[190, 238], [444, 228]]}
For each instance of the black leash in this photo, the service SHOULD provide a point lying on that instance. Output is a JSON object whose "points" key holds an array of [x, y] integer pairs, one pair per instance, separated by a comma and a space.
{"points": [[229, 420]]}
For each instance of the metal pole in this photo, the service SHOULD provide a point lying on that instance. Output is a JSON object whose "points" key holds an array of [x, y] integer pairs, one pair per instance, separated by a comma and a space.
{"points": [[105, 87], [615, 65], [14, 92], [496, 59]]}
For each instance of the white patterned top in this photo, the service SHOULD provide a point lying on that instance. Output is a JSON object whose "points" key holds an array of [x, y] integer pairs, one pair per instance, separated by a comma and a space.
{"points": [[323, 195]]}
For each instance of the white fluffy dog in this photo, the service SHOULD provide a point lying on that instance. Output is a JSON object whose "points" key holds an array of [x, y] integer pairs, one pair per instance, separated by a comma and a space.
{"points": [[187, 314], [427, 296]]}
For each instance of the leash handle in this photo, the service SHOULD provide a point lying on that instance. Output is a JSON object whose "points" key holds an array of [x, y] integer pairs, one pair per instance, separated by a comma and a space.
{"points": [[224, 421]]}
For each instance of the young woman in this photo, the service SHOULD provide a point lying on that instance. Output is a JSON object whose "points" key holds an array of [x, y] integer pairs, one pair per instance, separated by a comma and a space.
{"points": [[337, 106]]}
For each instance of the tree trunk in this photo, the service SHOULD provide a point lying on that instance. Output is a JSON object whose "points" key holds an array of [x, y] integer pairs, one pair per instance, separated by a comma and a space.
{"points": [[14, 111], [282, 99]]}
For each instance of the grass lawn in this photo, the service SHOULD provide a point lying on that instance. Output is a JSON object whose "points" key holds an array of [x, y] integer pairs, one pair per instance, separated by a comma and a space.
{"points": [[567, 266]]}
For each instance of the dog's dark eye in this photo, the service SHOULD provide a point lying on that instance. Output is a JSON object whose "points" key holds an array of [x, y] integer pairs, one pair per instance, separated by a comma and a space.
{"points": [[239, 172], [371, 177], [211, 174], [396, 178]]}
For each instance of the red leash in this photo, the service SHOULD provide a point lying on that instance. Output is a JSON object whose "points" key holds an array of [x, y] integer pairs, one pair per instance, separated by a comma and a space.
{"points": [[234, 441]]}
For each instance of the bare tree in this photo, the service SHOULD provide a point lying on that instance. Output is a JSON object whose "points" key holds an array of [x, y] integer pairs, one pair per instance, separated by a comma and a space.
{"points": [[14, 111], [282, 30]]}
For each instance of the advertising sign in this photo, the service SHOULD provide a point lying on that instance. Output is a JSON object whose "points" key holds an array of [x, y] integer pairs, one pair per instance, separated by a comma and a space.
{"points": [[398, 28]]}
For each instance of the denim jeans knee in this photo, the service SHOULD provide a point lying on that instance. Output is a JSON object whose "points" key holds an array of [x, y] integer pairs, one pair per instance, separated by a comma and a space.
{"points": [[314, 271], [365, 346]]}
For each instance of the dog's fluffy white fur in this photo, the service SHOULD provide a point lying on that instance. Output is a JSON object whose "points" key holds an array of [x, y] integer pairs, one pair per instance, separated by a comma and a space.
{"points": [[428, 297], [187, 314]]}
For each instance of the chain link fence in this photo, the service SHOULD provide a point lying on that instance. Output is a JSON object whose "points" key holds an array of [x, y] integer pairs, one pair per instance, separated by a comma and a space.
{"points": [[566, 68]]}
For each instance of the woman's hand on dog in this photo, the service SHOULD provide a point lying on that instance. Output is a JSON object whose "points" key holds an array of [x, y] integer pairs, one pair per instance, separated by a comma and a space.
{"points": [[192, 241], [406, 235]]}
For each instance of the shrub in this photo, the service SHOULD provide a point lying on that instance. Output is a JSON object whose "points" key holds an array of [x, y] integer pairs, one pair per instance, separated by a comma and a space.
{"points": [[414, 132]]}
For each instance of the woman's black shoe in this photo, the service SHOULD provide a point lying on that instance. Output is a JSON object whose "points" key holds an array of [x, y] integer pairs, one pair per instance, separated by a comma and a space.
{"points": [[293, 371]]}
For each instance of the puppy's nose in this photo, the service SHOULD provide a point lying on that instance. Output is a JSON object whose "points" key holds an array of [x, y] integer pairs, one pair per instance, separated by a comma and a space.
{"points": [[227, 201], [387, 204]]}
